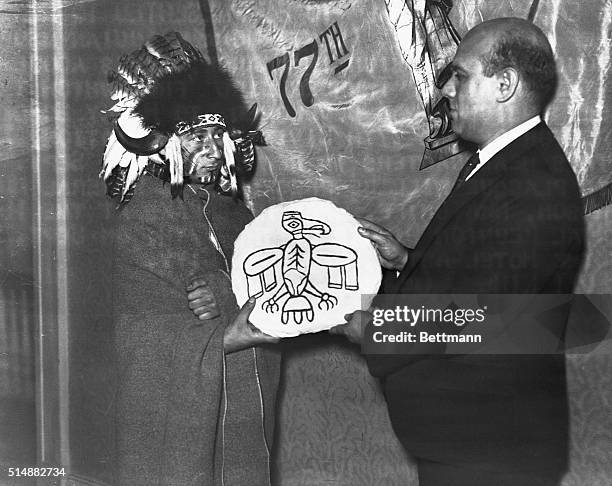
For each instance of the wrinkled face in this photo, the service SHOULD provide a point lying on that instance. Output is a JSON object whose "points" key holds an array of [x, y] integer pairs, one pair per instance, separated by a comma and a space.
{"points": [[471, 95], [202, 150]]}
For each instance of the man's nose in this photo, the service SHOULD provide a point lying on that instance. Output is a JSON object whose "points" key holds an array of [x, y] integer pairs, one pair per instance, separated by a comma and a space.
{"points": [[213, 150], [448, 89]]}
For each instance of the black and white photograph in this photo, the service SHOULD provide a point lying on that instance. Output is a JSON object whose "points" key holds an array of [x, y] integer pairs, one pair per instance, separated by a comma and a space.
{"points": [[306, 243]]}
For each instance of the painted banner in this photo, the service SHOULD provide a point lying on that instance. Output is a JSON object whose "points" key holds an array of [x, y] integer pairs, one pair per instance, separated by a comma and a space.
{"points": [[348, 102]]}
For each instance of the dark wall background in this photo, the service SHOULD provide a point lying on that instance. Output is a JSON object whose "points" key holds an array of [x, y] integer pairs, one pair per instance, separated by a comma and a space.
{"points": [[17, 410], [333, 426]]}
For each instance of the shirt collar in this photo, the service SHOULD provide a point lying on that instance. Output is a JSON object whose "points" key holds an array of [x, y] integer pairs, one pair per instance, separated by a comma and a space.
{"points": [[485, 154], [506, 139]]}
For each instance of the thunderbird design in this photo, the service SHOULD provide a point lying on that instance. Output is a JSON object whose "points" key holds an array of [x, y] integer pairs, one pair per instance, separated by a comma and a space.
{"points": [[293, 262]]}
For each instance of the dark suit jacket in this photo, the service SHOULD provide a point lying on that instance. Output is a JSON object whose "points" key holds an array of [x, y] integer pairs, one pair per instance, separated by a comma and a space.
{"points": [[515, 227]]}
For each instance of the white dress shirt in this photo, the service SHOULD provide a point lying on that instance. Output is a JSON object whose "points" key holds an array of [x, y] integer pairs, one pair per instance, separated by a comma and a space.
{"points": [[486, 153]]}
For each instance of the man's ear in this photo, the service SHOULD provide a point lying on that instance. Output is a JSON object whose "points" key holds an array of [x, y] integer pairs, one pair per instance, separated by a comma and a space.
{"points": [[507, 84]]}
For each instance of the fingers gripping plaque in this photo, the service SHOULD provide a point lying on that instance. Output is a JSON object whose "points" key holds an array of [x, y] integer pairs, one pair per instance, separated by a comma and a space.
{"points": [[306, 265]]}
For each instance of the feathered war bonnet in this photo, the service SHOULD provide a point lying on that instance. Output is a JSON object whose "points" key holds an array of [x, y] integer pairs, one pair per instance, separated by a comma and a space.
{"points": [[164, 90]]}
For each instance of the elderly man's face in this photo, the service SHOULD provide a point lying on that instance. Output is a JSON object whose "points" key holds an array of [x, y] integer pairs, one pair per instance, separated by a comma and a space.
{"points": [[202, 150], [471, 95]]}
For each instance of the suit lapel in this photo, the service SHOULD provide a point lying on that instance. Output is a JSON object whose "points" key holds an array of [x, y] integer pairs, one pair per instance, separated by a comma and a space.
{"points": [[487, 176]]}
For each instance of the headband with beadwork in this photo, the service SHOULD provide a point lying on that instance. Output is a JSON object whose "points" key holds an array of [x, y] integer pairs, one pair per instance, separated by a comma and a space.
{"points": [[205, 120]]}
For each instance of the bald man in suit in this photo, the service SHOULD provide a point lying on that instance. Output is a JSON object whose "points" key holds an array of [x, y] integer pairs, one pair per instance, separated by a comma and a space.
{"points": [[512, 224]]}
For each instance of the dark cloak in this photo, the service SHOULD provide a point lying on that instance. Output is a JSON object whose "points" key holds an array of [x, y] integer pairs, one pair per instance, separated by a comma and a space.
{"points": [[174, 425]]}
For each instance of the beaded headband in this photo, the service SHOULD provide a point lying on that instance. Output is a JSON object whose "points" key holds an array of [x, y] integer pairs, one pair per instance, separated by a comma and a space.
{"points": [[204, 120]]}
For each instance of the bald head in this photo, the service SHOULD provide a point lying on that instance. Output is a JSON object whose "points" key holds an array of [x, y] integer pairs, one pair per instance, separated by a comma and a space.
{"points": [[519, 44]]}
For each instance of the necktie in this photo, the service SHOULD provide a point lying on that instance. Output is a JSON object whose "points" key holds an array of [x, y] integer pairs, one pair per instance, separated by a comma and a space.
{"points": [[465, 172]]}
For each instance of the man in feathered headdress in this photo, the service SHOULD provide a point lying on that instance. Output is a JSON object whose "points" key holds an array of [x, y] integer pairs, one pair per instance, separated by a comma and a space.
{"points": [[195, 401]]}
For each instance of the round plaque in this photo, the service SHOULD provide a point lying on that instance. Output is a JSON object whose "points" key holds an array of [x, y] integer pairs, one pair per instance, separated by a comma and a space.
{"points": [[306, 265]]}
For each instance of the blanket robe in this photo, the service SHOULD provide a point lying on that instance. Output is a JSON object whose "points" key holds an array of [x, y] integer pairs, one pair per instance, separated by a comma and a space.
{"points": [[185, 413]]}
